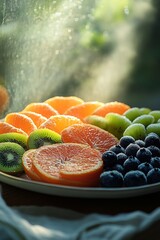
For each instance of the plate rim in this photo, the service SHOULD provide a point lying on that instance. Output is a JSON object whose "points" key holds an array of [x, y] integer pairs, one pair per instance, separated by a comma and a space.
{"points": [[80, 192]]}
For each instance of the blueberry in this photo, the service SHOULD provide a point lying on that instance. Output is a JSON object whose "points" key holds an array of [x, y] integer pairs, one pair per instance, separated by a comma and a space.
{"points": [[153, 176], [132, 149], [144, 155], [145, 167], [121, 157], [134, 178], [155, 162], [154, 150], [126, 140], [117, 149], [131, 163], [109, 158], [119, 168], [111, 178], [140, 143], [152, 139]]}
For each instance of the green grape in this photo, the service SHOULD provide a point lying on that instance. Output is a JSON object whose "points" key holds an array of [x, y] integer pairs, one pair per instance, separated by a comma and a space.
{"points": [[154, 127], [117, 124], [155, 114], [136, 130], [144, 119], [145, 110], [132, 113], [98, 121]]}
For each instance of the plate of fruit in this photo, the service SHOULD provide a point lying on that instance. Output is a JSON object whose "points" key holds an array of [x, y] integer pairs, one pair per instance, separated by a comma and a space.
{"points": [[66, 146]]}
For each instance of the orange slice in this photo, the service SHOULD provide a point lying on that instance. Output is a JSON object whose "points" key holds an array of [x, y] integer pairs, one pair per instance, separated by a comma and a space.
{"points": [[59, 122], [27, 160], [7, 128], [68, 164], [4, 99], [37, 118], [20, 121], [62, 103], [89, 134], [115, 107], [43, 108], [84, 109]]}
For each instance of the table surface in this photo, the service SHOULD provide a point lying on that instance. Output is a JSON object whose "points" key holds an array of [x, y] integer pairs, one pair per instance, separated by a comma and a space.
{"points": [[14, 196]]}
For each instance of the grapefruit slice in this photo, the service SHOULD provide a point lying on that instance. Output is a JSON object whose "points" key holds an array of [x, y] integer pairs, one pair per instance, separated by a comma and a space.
{"points": [[68, 164], [27, 160], [91, 135]]}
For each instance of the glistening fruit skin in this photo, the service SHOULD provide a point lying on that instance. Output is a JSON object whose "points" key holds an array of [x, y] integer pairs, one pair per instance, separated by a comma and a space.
{"points": [[155, 114], [111, 179], [152, 139], [117, 124], [11, 157], [144, 155], [144, 119], [131, 163], [136, 130], [134, 178], [41, 137], [145, 167], [109, 159], [153, 176], [131, 149], [133, 113], [126, 140], [155, 162], [154, 150], [154, 127]]}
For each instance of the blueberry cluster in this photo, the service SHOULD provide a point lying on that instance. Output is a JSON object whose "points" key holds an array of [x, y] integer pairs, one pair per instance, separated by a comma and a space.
{"points": [[132, 162]]}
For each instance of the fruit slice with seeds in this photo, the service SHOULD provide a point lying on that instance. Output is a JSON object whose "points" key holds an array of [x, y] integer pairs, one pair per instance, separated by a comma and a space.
{"points": [[11, 157], [19, 138], [41, 137]]}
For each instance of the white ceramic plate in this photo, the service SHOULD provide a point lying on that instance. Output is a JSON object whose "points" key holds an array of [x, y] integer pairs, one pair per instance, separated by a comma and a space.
{"points": [[80, 192]]}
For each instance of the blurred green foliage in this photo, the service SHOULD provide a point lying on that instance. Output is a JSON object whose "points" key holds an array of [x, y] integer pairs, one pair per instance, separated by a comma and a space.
{"points": [[95, 32]]}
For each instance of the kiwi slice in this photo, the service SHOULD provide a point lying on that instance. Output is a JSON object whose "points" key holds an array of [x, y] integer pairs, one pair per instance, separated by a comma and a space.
{"points": [[41, 137], [14, 137], [11, 157]]}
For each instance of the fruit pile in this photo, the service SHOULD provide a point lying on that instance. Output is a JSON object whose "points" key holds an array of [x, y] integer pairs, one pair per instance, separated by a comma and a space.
{"points": [[132, 162], [68, 141]]}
